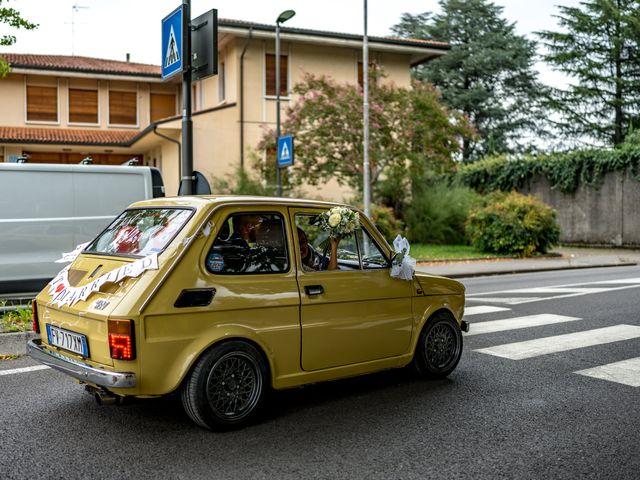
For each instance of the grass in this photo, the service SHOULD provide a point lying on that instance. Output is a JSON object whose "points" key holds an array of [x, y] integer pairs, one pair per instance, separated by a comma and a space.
{"points": [[18, 320], [426, 252]]}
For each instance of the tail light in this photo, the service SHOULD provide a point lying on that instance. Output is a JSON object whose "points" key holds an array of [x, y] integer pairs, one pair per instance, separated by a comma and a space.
{"points": [[34, 317], [121, 339]]}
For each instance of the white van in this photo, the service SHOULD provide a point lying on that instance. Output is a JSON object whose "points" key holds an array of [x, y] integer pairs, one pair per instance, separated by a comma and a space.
{"points": [[48, 209]]}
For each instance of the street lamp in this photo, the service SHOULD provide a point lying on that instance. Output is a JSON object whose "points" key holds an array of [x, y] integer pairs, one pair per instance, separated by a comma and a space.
{"points": [[283, 17]]}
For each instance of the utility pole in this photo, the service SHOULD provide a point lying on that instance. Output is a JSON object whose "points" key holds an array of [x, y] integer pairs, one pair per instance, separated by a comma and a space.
{"points": [[366, 174], [186, 180]]}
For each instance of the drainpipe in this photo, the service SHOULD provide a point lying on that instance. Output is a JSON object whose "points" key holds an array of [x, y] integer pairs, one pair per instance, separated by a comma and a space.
{"points": [[244, 50]]}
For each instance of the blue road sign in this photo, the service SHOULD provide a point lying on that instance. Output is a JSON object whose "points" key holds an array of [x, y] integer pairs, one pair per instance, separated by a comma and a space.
{"points": [[172, 61], [285, 151]]}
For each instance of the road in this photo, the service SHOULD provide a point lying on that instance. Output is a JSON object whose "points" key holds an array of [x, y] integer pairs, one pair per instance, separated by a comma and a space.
{"points": [[561, 407]]}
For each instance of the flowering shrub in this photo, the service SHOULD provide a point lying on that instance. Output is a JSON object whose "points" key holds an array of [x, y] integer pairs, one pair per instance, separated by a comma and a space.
{"points": [[513, 224]]}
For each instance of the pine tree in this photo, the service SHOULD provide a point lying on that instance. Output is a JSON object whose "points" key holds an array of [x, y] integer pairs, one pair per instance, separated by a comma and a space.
{"points": [[11, 17], [599, 48], [488, 73]]}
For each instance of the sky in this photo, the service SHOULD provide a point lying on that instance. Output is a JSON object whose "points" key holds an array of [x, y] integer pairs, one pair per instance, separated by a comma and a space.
{"points": [[113, 28]]}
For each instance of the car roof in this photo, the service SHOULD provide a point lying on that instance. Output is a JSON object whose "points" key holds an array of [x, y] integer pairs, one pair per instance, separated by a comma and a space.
{"points": [[201, 201]]}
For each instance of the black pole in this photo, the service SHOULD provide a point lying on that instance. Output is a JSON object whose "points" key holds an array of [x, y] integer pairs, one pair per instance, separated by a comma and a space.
{"points": [[278, 177], [186, 179]]}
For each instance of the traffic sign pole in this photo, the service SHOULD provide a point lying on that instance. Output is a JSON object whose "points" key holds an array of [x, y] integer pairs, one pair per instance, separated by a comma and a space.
{"points": [[186, 180]]}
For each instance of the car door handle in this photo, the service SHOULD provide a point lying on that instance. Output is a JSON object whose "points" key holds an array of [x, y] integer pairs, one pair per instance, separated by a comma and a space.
{"points": [[313, 289]]}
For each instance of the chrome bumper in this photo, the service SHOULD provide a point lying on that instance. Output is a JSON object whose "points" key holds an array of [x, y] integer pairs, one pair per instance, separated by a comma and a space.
{"points": [[79, 370]]}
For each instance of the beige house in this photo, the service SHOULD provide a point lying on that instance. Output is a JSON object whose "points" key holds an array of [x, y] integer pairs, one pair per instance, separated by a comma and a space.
{"points": [[61, 109]]}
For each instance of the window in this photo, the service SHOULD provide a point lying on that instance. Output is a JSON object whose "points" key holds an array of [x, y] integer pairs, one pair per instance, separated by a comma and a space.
{"points": [[140, 232], [270, 75], [372, 66], [162, 106], [222, 94], [123, 108], [372, 256], [356, 251], [83, 106], [250, 243], [42, 103]]}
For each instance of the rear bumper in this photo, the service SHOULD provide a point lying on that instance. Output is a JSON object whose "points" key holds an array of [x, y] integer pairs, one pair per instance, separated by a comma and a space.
{"points": [[79, 370], [464, 326]]}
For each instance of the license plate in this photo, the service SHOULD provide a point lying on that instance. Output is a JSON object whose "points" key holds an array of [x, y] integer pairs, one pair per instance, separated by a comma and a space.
{"points": [[74, 342]]}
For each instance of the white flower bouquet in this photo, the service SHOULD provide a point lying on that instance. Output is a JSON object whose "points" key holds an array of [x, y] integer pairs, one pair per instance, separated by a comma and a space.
{"points": [[339, 221]]}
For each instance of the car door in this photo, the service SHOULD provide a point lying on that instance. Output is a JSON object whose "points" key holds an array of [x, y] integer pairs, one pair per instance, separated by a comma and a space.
{"points": [[356, 313]]}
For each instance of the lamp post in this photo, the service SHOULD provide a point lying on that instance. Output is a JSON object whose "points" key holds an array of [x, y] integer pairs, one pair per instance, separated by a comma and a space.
{"points": [[283, 17]]}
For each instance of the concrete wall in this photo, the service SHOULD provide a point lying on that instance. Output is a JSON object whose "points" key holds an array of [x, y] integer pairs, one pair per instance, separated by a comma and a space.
{"points": [[602, 215]]}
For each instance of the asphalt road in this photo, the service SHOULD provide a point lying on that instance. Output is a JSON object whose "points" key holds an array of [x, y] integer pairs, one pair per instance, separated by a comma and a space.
{"points": [[494, 417]]}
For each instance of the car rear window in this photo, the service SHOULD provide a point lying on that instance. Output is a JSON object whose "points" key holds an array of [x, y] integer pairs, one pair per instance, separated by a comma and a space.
{"points": [[140, 232]]}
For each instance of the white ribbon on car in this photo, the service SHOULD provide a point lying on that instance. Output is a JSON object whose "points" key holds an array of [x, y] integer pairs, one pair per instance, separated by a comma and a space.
{"points": [[62, 293], [403, 265]]}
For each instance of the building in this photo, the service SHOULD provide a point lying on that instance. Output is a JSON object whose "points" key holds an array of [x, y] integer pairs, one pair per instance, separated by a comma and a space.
{"points": [[61, 109]]}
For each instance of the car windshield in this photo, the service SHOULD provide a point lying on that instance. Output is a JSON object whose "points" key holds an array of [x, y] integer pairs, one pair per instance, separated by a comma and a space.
{"points": [[140, 232]]}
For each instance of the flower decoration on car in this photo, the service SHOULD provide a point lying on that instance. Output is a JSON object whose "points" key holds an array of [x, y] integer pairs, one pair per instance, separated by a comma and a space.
{"points": [[339, 222]]}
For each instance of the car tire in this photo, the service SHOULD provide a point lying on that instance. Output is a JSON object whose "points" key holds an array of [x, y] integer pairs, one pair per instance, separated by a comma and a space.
{"points": [[439, 347], [226, 387]]}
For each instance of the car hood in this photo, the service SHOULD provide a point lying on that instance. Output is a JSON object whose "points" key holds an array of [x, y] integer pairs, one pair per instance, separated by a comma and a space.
{"points": [[435, 285]]}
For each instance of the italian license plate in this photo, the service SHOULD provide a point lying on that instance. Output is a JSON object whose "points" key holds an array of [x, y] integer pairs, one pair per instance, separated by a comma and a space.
{"points": [[74, 342]]}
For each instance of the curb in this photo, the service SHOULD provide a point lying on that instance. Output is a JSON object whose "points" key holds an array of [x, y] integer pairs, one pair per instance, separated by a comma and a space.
{"points": [[15, 343], [534, 270]]}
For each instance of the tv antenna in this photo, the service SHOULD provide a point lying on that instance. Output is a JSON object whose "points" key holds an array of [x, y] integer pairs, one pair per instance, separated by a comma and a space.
{"points": [[74, 9]]}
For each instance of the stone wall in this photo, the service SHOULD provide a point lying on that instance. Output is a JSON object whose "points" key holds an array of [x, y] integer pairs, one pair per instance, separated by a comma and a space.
{"points": [[608, 214]]}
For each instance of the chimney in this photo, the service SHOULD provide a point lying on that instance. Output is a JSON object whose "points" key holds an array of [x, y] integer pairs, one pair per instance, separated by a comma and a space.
{"points": [[128, 57]]}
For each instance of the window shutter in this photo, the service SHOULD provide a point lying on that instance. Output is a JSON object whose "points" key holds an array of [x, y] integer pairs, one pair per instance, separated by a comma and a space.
{"points": [[123, 108], [42, 104], [270, 75], [83, 106], [162, 106]]}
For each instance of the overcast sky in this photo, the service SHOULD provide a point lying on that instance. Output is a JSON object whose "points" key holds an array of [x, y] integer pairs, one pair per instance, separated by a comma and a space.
{"points": [[113, 28]]}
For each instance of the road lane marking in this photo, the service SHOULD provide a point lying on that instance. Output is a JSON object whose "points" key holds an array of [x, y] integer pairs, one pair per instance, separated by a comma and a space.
{"points": [[559, 290], [518, 300], [480, 309], [507, 300], [561, 343], [478, 328], [621, 280], [626, 372], [23, 370]]}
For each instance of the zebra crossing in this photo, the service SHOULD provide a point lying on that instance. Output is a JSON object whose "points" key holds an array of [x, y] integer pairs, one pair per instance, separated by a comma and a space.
{"points": [[626, 371]]}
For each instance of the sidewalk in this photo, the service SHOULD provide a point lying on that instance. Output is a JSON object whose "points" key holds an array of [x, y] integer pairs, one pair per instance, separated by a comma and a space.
{"points": [[569, 258]]}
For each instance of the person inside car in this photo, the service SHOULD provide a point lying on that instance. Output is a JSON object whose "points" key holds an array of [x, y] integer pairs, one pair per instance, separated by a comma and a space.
{"points": [[311, 259]]}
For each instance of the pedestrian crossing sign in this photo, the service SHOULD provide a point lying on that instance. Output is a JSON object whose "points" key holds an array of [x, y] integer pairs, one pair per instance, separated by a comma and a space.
{"points": [[172, 58], [285, 151]]}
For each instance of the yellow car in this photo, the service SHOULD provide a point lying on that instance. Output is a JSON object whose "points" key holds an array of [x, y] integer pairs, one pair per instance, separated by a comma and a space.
{"points": [[222, 298]]}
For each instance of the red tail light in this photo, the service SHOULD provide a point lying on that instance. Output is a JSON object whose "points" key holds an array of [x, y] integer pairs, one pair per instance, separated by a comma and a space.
{"points": [[34, 317], [121, 340]]}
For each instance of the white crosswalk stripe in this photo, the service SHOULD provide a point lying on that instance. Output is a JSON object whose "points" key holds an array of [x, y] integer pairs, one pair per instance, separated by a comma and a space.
{"points": [[626, 372], [478, 328], [561, 343], [480, 309]]}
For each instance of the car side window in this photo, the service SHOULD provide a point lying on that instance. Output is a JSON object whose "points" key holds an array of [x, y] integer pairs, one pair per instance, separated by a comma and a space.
{"points": [[249, 243], [355, 251], [372, 255]]}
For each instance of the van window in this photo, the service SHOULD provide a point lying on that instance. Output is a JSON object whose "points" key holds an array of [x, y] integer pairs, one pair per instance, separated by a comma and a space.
{"points": [[140, 232]]}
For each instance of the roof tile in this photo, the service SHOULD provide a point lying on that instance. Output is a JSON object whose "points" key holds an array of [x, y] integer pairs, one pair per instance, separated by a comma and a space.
{"points": [[66, 136], [80, 64]]}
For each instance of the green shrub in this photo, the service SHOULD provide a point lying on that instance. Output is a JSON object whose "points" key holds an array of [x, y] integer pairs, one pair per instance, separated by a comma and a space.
{"points": [[437, 214], [385, 220], [513, 224]]}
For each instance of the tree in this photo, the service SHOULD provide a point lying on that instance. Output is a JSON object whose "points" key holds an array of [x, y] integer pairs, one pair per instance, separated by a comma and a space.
{"points": [[409, 129], [487, 75], [11, 17], [600, 49]]}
